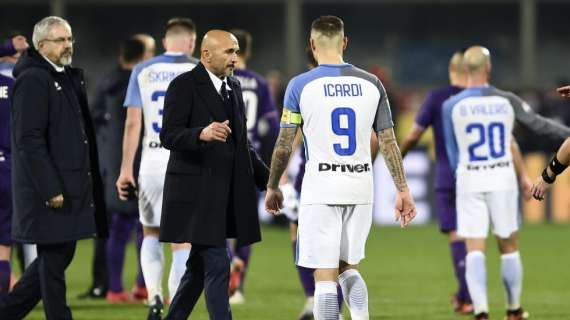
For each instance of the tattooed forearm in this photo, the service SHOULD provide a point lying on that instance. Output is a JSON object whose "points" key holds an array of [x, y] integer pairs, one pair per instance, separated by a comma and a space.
{"points": [[281, 154], [392, 157]]}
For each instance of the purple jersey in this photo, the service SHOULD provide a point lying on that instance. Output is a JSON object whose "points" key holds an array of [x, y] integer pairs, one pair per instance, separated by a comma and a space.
{"points": [[5, 167], [260, 110], [430, 114], [5, 95], [7, 49]]}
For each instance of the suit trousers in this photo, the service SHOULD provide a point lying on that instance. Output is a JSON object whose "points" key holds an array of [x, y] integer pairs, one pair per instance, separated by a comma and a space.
{"points": [[208, 270], [44, 279]]}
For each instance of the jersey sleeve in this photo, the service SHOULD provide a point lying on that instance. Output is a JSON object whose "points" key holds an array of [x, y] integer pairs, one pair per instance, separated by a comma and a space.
{"points": [[424, 118], [449, 136], [538, 124], [133, 96], [383, 118], [291, 116]]}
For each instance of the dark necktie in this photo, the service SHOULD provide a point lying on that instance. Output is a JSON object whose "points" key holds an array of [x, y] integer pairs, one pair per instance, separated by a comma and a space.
{"points": [[224, 92], [226, 99]]}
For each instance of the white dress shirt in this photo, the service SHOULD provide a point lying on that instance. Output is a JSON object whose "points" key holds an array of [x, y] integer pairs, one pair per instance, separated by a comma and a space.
{"points": [[218, 82], [55, 66]]}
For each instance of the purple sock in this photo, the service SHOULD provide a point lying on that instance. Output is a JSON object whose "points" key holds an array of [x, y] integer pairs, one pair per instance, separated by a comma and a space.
{"points": [[458, 254], [339, 296], [139, 236], [305, 275], [243, 253], [4, 276], [121, 227]]}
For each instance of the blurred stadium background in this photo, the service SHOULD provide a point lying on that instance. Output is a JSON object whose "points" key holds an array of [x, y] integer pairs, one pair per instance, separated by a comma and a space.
{"points": [[407, 43]]}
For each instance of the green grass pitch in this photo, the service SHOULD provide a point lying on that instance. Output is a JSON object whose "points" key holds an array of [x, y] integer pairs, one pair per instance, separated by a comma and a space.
{"points": [[408, 273]]}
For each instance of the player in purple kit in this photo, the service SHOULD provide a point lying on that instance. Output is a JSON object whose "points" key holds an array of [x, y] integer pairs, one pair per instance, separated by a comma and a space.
{"points": [[305, 274], [430, 115], [10, 52], [16, 44], [262, 129], [5, 184]]}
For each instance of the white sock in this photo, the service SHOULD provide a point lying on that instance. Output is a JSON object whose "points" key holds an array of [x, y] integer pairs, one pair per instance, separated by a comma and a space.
{"points": [[512, 273], [355, 294], [476, 276], [326, 301], [30, 254], [177, 269], [152, 264]]}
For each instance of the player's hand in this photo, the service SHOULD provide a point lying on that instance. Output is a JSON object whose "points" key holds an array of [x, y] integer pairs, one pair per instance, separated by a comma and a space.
{"points": [[273, 201], [216, 131], [405, 210], [564, 91], [123, 182], [539, 188], [56, 202], [526, 186], [20, 43]]}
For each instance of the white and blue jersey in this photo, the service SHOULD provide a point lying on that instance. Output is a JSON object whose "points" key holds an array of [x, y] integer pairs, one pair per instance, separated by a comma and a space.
{"points": [[147, 88], [478, 124], [337, 106]]}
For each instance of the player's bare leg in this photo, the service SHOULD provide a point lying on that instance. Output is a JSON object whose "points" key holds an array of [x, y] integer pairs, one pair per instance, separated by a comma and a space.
{"points": [[180, 254], [326, 297], [461, 300], [354, 291], [512, 274], [5, 270], [476, 276]]}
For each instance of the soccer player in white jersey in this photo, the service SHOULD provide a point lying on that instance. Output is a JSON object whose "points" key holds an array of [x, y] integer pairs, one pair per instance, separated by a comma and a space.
{"points": [[337, 105], [145, 96], [478, 124]]}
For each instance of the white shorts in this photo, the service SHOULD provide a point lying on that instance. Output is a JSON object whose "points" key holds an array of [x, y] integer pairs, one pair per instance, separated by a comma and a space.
{"points": [[329, 233], [150, 199], [476, 209]]}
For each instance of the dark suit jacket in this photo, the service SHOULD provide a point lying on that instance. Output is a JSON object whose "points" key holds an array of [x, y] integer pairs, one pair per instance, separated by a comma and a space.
{"points": [[53, 152], [109, 119], [209, 190]]}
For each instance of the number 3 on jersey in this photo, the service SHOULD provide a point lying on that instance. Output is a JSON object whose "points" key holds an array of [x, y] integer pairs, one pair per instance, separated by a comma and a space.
{"points": [[494, 131], [154, 98], [343, 122]]}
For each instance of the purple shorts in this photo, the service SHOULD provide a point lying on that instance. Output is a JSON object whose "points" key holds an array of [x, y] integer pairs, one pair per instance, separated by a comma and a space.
{"points": [[5, 207], [445, 207]]}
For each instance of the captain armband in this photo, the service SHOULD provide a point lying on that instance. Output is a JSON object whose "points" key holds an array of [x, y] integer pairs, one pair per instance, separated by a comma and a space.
{"points": [[291, 118], [556, 167]]}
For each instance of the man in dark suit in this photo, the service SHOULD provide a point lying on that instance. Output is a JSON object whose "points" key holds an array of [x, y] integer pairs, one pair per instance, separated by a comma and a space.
{"points": [[109, 119], [209, 190], [57, 188]]}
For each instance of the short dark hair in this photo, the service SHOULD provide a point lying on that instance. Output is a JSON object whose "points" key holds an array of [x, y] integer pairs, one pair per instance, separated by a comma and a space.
{"points": [[178, 24], [244, 41], [329, 26], [132, 50], [9, 35]]}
